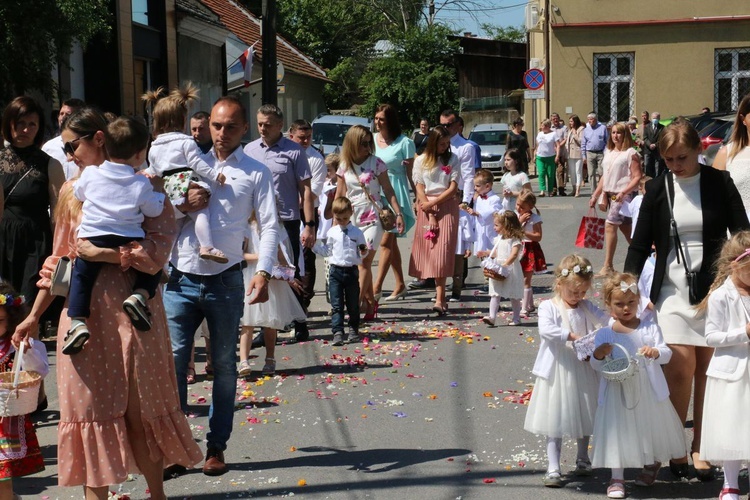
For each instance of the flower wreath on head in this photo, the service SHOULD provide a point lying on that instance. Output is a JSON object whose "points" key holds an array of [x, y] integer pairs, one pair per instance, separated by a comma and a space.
{"points": [[581, 271], [8, 299]]}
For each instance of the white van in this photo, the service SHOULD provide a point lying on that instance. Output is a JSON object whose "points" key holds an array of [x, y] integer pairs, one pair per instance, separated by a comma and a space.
{"points": [[491, 138], [329, 130]]}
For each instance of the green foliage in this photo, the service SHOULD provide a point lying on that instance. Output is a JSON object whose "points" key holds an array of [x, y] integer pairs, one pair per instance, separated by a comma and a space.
{"points": [[505, 33], [36, 34], [329, 31], [418, 76]]}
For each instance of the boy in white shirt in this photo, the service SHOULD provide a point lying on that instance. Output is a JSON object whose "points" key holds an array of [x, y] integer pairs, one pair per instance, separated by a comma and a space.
{"points": [[115, 202], [346, 244], [486, 204]]}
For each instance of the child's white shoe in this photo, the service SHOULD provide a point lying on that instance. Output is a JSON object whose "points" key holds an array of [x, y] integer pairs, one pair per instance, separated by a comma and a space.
{"points": [[489, 321], [616, 488], [214, 254]]}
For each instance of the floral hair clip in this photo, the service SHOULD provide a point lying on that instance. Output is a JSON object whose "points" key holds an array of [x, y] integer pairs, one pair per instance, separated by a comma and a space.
{"points": [[7, 299], [632, 287], [576, 270]]}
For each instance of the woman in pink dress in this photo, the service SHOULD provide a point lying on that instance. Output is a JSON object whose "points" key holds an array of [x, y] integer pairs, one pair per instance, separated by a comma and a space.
{"points": [[436, 173], [618, 184], [119, 409]]}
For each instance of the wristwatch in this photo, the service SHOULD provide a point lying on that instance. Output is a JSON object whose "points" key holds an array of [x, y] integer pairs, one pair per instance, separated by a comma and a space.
{"points": [[310, 223], [266, 275], [399, 215]]}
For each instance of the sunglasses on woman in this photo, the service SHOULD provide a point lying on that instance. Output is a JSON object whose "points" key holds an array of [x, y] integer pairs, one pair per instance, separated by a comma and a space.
{"points": [[69, 148]]}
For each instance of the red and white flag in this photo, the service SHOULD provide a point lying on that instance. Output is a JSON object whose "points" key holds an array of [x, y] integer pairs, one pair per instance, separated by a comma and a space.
{"points": [[246, 59]]}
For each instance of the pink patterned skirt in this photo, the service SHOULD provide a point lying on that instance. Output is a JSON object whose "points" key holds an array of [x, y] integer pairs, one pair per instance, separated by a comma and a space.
{"points": [[435, 258]]}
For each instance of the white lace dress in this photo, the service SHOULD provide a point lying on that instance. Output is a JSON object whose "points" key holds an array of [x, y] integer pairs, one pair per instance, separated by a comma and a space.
{"points": [[739, 168]]}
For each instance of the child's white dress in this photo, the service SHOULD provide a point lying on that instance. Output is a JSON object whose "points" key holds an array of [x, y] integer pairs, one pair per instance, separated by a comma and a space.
{"points": [[514, 183], [563, 402], [282, 307], [636, 424], [512, 286], [726, 426]]}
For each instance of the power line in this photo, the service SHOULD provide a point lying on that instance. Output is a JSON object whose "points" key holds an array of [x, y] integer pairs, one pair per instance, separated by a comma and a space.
{"points": [[484, 9]]}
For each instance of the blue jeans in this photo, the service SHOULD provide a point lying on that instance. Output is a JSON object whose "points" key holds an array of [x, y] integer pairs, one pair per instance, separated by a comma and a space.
{"points": [[85, 272], [188, 299], [343, 287]]}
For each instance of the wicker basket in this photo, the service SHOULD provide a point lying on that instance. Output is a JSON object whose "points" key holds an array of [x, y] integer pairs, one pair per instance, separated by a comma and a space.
{"points": [[489, 273], [619, 369], [18, 389]]}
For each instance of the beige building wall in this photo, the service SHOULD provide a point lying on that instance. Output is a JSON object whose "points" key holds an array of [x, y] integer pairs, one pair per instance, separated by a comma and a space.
{"points": [[674, 49]]}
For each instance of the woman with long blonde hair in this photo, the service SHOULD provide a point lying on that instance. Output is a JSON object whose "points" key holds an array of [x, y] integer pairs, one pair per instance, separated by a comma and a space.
{"points": [[361, 176], [621, 173], [138, 420]]}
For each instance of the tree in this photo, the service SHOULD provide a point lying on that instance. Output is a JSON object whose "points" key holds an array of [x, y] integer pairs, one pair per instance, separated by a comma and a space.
{"points": [[35, 35], [417, 76], [505, 33]]}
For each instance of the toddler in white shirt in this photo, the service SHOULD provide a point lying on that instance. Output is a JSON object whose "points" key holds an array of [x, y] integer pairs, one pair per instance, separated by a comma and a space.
{"points": [[346, 245], [115, 202], [176, 157]]}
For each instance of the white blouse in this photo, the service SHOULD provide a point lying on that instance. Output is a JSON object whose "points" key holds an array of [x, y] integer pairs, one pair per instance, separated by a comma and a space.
{"points": [[437, 179]]}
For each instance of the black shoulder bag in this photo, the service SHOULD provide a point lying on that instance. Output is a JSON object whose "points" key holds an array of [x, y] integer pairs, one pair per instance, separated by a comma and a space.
{"points": [[692, 276]]}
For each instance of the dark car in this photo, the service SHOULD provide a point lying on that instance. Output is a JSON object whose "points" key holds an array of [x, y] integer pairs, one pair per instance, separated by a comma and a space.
{"points": [[715, 132]]}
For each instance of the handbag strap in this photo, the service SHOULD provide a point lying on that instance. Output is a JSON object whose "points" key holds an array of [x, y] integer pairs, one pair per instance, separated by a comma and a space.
{"points": [[673, 224], [368, 194], [5, 198]]}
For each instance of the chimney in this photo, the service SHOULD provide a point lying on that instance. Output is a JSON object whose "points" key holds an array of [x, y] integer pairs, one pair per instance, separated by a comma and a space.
{"points": [[468, 34]]}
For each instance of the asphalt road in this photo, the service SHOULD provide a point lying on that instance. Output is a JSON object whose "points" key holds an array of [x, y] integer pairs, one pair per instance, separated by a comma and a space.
{"points": [[429, 408]]}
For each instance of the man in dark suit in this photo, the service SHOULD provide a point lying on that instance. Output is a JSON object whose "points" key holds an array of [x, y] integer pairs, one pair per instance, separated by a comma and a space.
{"points": [[651, 156]]}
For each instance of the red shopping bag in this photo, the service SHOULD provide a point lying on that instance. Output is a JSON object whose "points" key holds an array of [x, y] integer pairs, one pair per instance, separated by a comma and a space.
{"points": [[591, 231]]}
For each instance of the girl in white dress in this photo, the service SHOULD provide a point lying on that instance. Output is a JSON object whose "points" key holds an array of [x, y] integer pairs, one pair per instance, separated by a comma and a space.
{"points": [[514, 180], [505, 258], [281, 309], [726, 428], [563, 402], [636, 424]]}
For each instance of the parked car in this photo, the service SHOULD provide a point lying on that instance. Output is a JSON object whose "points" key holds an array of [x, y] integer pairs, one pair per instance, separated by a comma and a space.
{"points": [[715, 136], [329, 130], [715, 132], [705, 119], [491, 138]]}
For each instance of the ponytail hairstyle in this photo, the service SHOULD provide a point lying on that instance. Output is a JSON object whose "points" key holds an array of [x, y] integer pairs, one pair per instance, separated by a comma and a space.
{"points": [[527, 197], [170, 113], [734, 255]]}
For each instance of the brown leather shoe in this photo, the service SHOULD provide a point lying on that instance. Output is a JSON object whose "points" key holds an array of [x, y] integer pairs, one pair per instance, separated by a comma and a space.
{"points": [[214, 464]]}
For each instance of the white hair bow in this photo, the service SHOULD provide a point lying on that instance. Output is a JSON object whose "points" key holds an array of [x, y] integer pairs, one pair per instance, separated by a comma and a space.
{"points": [[624, 287]]}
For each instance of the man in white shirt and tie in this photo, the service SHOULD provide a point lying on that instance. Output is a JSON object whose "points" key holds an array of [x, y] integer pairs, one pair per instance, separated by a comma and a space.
{"points": [[54, 147]]}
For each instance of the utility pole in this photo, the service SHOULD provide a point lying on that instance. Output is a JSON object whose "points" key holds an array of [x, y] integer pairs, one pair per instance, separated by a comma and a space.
{"points": [[268, 27]]}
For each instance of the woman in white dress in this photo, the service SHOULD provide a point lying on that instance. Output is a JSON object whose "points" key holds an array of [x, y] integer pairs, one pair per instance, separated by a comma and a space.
{"points": [[361, 176], [619, 184], [735, 157], [706, 205]]}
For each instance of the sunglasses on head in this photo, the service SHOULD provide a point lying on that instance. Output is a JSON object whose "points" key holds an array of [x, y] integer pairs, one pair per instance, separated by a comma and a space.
{"points": [[69, 148]]}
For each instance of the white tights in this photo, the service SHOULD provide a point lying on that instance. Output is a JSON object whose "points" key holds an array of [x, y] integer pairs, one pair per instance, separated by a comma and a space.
{"points": [[732, 473], [554, 446]]}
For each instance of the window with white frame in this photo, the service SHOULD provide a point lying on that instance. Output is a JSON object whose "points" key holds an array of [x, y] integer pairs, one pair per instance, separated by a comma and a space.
{"points": [[731, 77], [614, 86]]}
